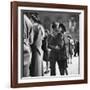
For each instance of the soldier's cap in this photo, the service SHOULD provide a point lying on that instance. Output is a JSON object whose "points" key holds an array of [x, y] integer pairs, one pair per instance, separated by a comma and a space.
{"points": [[69, 36]]}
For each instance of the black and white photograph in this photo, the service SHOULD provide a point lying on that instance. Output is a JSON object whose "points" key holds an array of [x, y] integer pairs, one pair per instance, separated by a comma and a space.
{"points": [[51, 44]]}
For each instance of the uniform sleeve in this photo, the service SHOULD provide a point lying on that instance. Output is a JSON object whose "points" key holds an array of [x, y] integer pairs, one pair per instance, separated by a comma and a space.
{"points": [[51, 43]]}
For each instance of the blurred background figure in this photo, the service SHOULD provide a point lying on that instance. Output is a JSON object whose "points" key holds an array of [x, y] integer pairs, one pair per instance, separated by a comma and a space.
{"points": [[46, 51], [76, 48], [28, 40], [72, 24], [70, 48]]}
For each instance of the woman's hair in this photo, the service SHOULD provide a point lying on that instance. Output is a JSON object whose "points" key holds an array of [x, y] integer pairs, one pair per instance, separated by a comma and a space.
{"points": [[62, 26], [36, 18]]}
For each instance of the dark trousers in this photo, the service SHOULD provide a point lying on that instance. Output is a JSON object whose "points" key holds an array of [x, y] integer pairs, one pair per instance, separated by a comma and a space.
{"points": [[62, 64], [53, 67]]}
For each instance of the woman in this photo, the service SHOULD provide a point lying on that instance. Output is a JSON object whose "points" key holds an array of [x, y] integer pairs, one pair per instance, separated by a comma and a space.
{"points": [[36, 67]]}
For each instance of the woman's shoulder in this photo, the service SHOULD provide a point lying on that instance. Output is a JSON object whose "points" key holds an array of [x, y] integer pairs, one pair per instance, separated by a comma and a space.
{"points": [[66, 39]]}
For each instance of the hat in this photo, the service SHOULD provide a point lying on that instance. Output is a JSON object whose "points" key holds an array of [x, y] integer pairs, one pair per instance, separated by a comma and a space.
{"points": [[69, 36]]}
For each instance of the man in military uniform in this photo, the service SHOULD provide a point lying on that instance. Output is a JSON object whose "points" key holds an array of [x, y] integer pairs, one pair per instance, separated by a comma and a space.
{"points": [[58, 50], [52, 43]]}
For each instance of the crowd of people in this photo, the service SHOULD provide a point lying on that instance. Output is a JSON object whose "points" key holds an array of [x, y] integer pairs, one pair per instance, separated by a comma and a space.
{"points": [[41, 44]]}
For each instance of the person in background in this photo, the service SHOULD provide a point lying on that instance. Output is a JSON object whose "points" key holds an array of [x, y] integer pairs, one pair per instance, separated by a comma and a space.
{"points": [[28, 40], [76, 48], [70, 48], [45, 49]]}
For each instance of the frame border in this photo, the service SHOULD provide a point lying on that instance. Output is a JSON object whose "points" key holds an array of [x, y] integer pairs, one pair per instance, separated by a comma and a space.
{"points": [[14, 43]]}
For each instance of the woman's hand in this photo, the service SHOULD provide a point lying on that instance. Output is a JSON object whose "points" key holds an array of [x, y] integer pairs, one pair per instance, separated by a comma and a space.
{"points": [[57, 47]]}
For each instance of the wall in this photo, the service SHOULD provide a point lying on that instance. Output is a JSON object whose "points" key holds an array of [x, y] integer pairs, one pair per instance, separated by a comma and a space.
{"points": [[5, 46]]}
